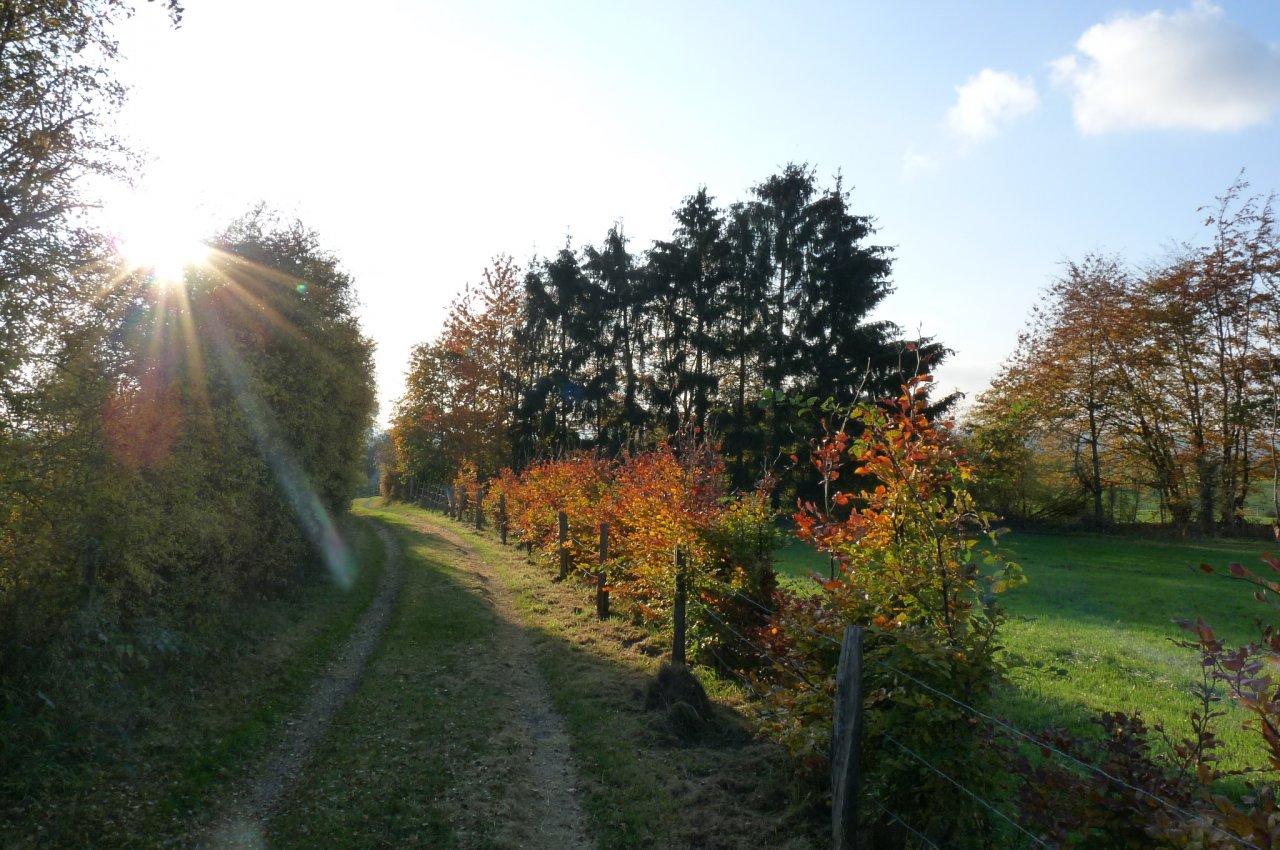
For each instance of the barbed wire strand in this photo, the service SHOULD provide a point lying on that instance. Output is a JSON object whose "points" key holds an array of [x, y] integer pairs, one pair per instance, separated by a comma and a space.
{"points": [[738, 593], [976, 798], [764, 653], [812, 632], [744, 679], [1079, 763], [909, 828]]}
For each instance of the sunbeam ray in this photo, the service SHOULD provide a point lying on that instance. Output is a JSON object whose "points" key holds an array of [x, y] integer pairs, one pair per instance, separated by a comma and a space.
{"points": [[314, 519]]}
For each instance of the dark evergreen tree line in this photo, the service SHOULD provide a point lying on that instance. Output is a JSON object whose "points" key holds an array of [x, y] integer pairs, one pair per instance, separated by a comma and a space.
{"points": [[768, 295], [615, 347]]}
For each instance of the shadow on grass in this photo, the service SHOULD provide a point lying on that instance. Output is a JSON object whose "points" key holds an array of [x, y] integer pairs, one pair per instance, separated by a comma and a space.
{"points": [[641, 782], [134, 755]]}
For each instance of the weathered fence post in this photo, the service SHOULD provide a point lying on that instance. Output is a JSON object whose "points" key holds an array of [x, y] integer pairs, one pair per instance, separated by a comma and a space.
{"points": [[451, 498], [502, 517], [602, 589], [677, 641], [479, 511], [564, 546], [411, 488], [846, 742]]}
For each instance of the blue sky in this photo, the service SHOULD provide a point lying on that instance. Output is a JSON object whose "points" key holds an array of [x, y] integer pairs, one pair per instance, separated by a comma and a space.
{"points": [[990, 140]]}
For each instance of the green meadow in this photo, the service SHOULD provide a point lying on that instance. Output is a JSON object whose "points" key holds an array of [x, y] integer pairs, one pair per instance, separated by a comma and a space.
{"points": [[1093, 628]]}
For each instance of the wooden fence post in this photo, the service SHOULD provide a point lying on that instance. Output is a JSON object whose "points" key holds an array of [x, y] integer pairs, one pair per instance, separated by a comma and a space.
{"points": [[677, 642], [502, 517], [479, 511], [564, 546], [846, 742], [450, 499], [602, 589]]}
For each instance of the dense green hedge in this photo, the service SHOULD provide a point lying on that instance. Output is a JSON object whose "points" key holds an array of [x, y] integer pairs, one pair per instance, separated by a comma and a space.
{"points": [[186, 450]]}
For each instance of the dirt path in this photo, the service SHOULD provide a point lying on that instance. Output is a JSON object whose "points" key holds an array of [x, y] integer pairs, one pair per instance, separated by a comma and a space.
{"points": [[244, 823], [541, 809]]}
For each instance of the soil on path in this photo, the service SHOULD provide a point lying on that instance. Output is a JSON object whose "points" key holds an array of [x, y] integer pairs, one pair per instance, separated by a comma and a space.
{"points": [[244, 823], [541, 809]]}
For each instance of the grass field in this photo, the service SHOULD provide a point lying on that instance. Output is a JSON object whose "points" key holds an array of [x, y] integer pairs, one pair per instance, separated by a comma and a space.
{"points": [[1092, 630]]}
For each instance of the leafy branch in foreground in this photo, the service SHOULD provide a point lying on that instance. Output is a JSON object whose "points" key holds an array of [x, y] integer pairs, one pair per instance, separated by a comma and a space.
{"points": [[902, 527]]}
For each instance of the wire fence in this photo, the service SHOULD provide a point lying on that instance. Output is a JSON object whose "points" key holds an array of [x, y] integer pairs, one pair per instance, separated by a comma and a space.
{"points": [[441, 497], [1037, 741]]}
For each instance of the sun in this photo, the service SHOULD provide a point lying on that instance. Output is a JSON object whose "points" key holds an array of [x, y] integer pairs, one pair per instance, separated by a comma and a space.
{"points": [[158, 244]]}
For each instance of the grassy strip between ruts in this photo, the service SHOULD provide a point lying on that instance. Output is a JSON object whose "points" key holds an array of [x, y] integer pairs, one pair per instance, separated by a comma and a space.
{"points": [[416, 732], [166, 743], [640, 786]]}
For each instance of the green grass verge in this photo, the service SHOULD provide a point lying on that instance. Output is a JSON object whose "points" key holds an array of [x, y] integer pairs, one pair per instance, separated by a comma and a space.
{"points": [[167, 741]]}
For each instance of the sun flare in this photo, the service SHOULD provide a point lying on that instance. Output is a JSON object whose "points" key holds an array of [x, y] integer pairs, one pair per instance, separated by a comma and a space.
{"points": [[160, 246]]}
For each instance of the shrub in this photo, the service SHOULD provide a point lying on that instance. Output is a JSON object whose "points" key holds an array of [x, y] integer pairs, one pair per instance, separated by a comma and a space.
{"points": [[655, 501], [903, 537]]}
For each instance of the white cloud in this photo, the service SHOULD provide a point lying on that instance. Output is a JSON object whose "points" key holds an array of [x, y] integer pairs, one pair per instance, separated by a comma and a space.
{"points": [[989, 101], [919, 162], [1191, 69]]}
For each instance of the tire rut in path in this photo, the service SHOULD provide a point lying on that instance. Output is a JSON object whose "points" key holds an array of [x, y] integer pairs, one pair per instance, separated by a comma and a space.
{"points": [[542, 809], [243, 824]]}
